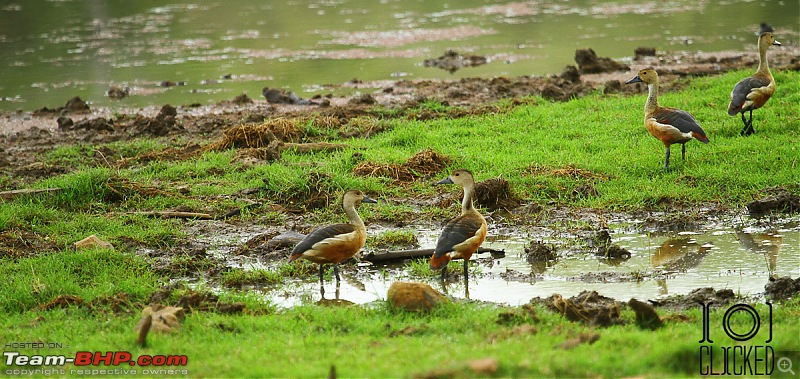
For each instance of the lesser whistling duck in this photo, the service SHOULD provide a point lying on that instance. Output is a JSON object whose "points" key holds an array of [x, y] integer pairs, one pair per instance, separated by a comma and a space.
{"points": [[670, 125], [336, 243], [753, 91], [462, 235]]}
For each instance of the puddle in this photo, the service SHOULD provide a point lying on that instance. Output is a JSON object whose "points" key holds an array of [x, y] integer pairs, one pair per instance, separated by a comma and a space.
{"points": [[55, 50], [660, 266]]}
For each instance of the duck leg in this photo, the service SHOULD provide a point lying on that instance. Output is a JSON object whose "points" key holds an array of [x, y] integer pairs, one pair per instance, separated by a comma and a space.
{"points": [[666, 160], [683, 152], [444, 272], [466, 266], [748, 125], [321, 283], [336, 273]]}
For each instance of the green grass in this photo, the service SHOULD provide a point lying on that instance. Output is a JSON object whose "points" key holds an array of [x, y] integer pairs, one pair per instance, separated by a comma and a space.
{"points": [[380, 342], [530, 145]]}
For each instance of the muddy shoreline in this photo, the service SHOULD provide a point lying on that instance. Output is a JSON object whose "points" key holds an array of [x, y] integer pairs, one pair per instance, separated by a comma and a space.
{"points": [[27, 136]]}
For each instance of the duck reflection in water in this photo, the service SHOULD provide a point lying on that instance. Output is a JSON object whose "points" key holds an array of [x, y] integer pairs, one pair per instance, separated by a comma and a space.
{"points": [[678, 255], [768, 244]]}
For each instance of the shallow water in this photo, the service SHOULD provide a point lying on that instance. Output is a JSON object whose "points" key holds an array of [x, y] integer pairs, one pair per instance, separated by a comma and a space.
{"points": [[54, 50], [740, 259]]}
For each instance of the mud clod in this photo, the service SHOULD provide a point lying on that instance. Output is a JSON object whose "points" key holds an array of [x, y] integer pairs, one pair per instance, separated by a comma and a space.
{"points": [[117, 93], [697, 298], [570, 74], [75, 104], [646, 315], [587, 307], [782, 288], [642, 52], [589, 63], [537, 251], [452, 61], [279, 96], [495, 193], [782, 201]]}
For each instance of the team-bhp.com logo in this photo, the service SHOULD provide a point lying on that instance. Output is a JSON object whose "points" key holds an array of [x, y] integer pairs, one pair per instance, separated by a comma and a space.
{"points": [[17, 363], [742, 354]]}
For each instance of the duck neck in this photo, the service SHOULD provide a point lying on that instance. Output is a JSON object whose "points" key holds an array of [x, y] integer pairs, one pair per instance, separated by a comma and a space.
{"points": [[652, 98], [352, 215], [763, 64], [466, 202]]}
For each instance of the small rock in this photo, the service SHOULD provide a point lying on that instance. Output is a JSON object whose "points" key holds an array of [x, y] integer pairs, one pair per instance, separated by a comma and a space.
{"points": [[414, 297], [92, 242]]}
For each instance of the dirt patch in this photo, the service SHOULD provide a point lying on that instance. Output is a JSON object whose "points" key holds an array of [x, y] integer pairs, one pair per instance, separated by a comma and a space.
{"points": [[62, 301], [422, 165], [18, 243]]}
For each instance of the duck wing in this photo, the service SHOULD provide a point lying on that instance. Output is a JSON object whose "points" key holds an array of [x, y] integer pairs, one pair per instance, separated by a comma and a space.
{"points": [[679, 119], [742, 89], [455, 232], [329, 232]]}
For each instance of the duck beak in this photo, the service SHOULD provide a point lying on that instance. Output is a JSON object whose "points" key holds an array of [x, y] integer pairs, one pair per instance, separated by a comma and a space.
{"points": [[368, 199], [776, 43], [446, 180], [636, 79]]}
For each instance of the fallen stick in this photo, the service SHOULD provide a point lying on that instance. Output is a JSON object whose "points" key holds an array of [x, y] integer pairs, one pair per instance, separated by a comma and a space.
{"points": [[7, 195], [173, 214], [419, 253]]}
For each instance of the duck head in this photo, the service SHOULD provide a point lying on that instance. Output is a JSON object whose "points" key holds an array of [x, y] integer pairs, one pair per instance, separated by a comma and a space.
{"points": [[647, 75]]}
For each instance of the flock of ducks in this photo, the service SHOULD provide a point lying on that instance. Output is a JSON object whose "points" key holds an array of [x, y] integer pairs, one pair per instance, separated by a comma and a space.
{"points": [[463, 235]]}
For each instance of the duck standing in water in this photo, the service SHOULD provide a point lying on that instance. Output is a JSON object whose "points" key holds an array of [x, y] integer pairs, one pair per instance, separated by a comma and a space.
{"points": [[753, 91], [669, 125], [463, 235], [336, 243]]}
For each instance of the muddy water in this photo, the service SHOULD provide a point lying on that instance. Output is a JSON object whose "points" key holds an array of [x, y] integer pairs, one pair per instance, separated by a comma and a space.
{"points": [[739, 259], [53, 50]]}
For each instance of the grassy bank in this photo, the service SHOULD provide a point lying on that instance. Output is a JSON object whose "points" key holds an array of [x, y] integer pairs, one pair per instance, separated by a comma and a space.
{"points": [[90, 300], [376, 341]]}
